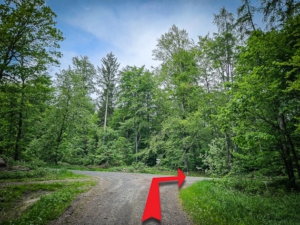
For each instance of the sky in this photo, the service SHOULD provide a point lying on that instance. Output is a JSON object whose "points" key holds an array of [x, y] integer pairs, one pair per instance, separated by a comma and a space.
{"points": [[129, 28]]}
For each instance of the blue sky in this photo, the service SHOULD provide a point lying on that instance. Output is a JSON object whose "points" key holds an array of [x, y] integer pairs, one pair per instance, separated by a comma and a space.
{"points": [[129, 29]]}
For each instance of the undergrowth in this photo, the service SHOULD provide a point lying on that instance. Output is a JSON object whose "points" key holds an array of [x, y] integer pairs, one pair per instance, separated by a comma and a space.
{"points": [[241, 201]]}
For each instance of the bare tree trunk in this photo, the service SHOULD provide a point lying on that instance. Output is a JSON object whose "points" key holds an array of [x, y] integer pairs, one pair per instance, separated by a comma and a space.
{"points": [[105, 118], [106, 108]]}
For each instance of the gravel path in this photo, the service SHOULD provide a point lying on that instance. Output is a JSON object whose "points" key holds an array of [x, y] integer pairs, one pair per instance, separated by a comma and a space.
{"points": [[119, 198]]}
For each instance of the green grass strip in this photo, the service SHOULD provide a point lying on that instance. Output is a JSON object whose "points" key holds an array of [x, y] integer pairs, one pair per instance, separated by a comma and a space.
{"points": [[212, 203], [50, 206], [37, 174]]}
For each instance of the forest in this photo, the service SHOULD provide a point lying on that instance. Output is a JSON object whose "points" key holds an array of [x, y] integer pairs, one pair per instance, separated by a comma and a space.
{"points": [[226, 103]]}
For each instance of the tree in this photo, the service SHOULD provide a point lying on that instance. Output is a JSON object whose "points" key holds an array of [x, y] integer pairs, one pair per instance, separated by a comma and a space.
{"points": [[22, 105], [277, 12], [178, 80], [28, 37], [107, 81], [134, 113], [170, 43], [82, 65], [262, 107], [28, 44], [222, 51], [224, 45], [245, 22], [66, 126]]}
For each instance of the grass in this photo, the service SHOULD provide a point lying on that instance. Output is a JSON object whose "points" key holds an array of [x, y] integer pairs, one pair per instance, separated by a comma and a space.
{"points": [[53, 197], [240, 201], [37, 174]]}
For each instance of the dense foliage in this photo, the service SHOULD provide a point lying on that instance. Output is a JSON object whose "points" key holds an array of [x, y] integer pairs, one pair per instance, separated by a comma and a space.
{"points": [[225, 103]]}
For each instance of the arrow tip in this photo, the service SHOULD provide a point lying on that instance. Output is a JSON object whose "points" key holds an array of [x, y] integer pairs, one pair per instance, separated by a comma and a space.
{"points": [[181, 177], [152, 207], [146, 217]]}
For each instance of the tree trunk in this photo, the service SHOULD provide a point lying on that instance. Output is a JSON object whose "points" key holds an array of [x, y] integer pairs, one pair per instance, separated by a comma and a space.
{"points": [[286, 152], [59, 137], [288, 165], [11, 127], [250, 16], [186, 162], [235, 147], [105, 118], [295, 157], [137, 140], [19, 136], [228, 152], [106, 108], [20, 125], [148, 119], [282, 126]]}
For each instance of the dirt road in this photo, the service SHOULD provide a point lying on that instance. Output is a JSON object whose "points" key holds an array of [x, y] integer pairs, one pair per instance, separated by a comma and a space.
{"points": [[119, 198]]}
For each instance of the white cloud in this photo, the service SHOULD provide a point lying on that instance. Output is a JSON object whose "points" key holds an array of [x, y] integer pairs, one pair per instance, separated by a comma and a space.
{"points": [[131, 32], [129, 28]]}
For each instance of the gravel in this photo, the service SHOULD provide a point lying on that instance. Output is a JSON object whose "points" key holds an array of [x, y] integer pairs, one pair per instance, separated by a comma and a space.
{"points": [[119, 198]]}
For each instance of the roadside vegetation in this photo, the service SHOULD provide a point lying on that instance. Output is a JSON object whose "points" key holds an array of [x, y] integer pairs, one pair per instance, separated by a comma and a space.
{"points": [[133, 168], [40, 195], [237, 201], [38, 174]]}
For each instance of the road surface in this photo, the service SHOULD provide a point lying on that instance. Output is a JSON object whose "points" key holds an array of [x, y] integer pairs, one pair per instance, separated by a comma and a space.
{"points": [[119, 198]]}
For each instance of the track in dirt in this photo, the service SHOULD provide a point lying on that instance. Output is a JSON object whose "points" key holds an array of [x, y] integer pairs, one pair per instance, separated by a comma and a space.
{"points": [[119, 198]]}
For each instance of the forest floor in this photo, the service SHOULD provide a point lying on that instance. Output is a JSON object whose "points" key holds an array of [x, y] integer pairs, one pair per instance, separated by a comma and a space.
{"points": [[119, 198]]}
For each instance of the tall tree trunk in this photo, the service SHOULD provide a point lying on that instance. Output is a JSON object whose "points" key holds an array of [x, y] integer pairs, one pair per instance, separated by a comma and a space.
{"points": [[288, 164], [186, 162], [148, 119], [185, 150], [11, 128], [106, 109], [60, 134], [286, 151], [282, 126], [105, 117], [20, 125], [295, 157], [137, 141]]}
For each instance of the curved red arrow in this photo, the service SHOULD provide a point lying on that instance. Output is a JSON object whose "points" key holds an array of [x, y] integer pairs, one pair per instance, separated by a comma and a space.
{"points": [[152, 208]]}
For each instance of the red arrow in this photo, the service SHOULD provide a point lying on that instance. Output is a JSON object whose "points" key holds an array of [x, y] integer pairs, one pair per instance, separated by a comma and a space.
{"points": [[152, 208]]}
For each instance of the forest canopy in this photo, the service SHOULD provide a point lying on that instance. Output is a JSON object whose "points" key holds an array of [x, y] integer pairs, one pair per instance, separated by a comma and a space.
{"points": [[228, 102]]}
